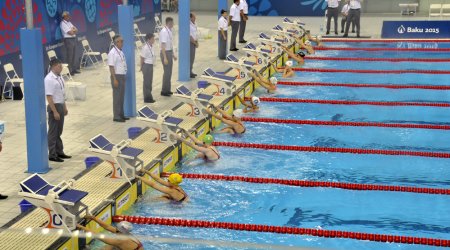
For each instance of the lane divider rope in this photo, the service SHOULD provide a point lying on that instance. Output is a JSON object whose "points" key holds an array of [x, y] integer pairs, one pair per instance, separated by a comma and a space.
{"points": [[385, 49], [283, 230], [345, 102], [365, 85], [308, 183], [347, 40], [332, 150], [347, 124], [373, 71], [377, 59]]}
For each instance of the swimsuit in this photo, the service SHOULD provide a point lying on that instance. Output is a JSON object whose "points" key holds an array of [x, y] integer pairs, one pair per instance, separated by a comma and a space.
{"points": [[215, 151]]}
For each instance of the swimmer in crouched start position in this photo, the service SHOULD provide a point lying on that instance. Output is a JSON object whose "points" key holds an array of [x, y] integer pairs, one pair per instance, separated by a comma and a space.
{"points": [[234, 124], [170, 188], [270, 85], [205, 148], [249, 106]]}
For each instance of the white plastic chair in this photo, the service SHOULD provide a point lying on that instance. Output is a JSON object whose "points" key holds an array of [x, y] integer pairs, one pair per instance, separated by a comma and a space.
{"points": [[138, 44], [52, 55], [445, 10], [435, 10], [112, 34], [158, 25], [137, 33], [88, 54], [69, 83], [12, 79], [105, 64]]}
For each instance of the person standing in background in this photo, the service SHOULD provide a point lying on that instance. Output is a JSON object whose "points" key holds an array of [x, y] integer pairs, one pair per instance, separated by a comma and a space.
{"points": [[344, 12], [118, 69], [57, 110], [223, 34], [147, 62], [332, 12], [167, 56], [234, 19], [194, 42], [243, 6], [69, 32], [354, 15]]}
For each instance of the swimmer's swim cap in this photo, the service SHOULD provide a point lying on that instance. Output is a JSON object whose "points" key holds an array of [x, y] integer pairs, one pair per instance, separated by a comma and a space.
{"points": [[308, 42], [175, 179], [255, 100], [319, 37], [124, 227], [274, 80], [289, 63], [208, 139], [301, 53]]}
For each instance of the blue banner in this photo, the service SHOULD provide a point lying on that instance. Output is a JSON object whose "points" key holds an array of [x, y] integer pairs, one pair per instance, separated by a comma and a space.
{"points": [[287, 7], [416, 29]]}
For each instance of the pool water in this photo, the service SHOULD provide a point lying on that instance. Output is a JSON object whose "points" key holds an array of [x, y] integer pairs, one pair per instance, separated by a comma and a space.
{"points": [[396, 213]]}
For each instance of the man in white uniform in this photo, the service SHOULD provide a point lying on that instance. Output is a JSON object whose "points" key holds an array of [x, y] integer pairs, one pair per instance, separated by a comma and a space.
{"points": [[344, 12], [332, 12], [57, 110], [244, 17], [194, 42], [118, 69], [234, 19], [223, 34], [354, 15], [167, 56], [69, 33], [147, 63]]}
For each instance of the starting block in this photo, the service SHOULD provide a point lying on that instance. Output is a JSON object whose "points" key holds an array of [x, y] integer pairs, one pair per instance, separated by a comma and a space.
{"points": [[165, 124], [196, 99], [287, 31], [62, 203], [225, 84], [124, 159], [275, 40]]}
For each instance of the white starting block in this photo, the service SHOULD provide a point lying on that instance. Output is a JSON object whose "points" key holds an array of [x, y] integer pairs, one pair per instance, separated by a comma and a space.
{"points": [[258, 50], [124, 159], [196, 98], [276, 40], [286, 31], [62, 203], [225, 84], [164, 122]]}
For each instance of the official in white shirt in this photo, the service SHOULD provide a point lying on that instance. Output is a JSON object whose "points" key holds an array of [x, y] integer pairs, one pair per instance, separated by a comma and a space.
{"points": [[223, 34], [332, 12], [69, 32], [167, 56], [57, 110], [194, 42], [344, 13], [354, 15], [147, 63], [118, 69], [243, 6], [234, 19]]}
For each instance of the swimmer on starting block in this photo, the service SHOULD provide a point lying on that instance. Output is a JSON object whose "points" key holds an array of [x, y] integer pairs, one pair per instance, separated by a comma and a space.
{"points": [[287, 71], [249, 106], [205, 148], [270, 85], [170, 188], [306, 45], [235, 125], [124, 240], [298, 57]]}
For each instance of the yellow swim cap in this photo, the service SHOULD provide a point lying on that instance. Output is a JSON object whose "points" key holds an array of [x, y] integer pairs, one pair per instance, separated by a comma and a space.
{"points": [[175, 179], [208, 139]]}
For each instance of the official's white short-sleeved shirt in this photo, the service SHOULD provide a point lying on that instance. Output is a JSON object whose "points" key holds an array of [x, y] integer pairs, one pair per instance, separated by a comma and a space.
{"points": [[235, 13], [355, 4], [148, 53], [166, 37], [333, 3], [243, 6], [223, 23], [66, 26], [116, 58], [193, 31], [345, 9], [54, 86]]}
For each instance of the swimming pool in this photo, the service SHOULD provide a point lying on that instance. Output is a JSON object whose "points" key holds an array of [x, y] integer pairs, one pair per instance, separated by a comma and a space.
{"points": [[396, 213]]}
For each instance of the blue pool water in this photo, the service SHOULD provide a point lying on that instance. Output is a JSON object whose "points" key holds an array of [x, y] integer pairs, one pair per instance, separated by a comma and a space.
{"points": [[381, 54], [407, 45], [396, 213], [324, 64]]}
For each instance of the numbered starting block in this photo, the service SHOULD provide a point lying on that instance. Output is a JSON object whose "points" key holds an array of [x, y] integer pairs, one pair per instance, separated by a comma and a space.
{"points": [[196, 99], [276, 40], [266, 50], [61, 202], [165, 124], [287, 31], [224, 83], [123, 159], [242, 65]]}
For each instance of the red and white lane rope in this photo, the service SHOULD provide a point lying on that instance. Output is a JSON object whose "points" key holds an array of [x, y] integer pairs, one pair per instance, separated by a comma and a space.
{"points": [[333, 150], [374, 71], [371, 59], [365, 85], [308, 183], [284, 230]]}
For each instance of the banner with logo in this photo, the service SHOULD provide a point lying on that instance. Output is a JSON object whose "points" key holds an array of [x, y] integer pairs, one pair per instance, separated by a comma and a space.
{"points": [[416, 29], [286, 7]]}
